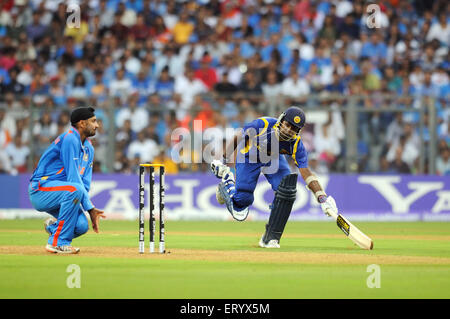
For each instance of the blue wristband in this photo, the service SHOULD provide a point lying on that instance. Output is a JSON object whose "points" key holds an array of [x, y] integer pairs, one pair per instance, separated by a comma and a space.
{"points": [[322, 199]]}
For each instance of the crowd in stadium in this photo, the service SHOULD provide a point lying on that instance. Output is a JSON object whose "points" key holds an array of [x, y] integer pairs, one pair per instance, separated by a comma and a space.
{"points": [[165, 63]]}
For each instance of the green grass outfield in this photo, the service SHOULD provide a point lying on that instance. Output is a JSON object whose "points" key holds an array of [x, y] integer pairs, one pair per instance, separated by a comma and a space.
{"points": [[222, 260]]}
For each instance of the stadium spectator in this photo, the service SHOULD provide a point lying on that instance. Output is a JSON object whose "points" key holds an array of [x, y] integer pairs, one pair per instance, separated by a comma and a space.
{"points": [[137, 115], [18, 154], [100, 142], [160, 31], [183, 29], [118, 29], [144, 86], [79, 31], [206, 73], [170, 167], [23, 129], [375, 49], [78, 89], [408, 144], [98, 90], [328, 31], [170, 15], [140, 31], [7, 121], [44, 131], [349, 27], [187, 86], [143, 149], [394, 129], [105, 13], [272, 91], [227, 107], [443, 162], [337, 85], [131, 64], [35, 31], [251, 87], [231, 68], [8, 59], [317, 166], [440, 30], [25, 51], [5, 161], [170, 60], [326, 143], [225, 87], [120, 86], [14, 86], [398, 165]]}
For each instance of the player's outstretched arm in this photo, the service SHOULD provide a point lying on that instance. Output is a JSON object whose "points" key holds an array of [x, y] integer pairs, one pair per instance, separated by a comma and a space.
{"points": [[327, 203]]}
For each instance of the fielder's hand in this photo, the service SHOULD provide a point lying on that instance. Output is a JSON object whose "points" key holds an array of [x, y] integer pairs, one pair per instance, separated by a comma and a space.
{"points": [[329, 205], [95, 215], [218, 168]]}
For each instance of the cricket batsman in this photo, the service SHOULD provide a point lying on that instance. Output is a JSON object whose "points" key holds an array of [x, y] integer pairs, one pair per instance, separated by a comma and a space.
{"points": [[261, 147], [61, 182]]}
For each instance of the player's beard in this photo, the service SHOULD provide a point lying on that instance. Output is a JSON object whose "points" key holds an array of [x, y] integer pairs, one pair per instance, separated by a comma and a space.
{"points": [[90, 132]]}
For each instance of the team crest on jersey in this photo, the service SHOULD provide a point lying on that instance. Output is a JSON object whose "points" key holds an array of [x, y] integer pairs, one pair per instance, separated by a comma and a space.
{"points": [[85, 157], [297, 119]]}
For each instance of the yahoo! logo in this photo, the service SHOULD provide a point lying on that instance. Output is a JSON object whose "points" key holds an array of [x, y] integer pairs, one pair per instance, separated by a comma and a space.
{"points": [[385, 185]]}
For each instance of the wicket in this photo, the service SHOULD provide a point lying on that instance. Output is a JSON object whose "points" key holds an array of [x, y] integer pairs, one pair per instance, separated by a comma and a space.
{"points": [[152, 220]]}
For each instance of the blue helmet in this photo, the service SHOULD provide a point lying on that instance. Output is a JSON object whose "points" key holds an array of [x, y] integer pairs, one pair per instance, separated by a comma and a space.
{"points": [[294, 116]]}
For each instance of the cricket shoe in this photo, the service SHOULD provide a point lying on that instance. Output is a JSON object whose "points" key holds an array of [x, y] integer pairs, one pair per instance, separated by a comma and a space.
{"points": [[273, 243], [49, 221], [219, 196], [227, 184], [62, 249], [225, 192]]}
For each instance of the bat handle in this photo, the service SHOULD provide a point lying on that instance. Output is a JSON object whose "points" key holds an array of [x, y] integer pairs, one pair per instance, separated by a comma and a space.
{"points": [[332, 214]]}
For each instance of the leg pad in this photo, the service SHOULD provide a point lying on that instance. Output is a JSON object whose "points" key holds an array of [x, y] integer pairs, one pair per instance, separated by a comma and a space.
{"points": [[281, 208]]}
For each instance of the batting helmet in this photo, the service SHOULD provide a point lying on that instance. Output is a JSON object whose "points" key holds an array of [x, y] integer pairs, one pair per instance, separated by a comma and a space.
{"points": [[295, 116]]}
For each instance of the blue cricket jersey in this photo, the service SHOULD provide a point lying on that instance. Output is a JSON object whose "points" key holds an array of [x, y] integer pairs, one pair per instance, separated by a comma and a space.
{"points": [[67, 159], [260, 141]]}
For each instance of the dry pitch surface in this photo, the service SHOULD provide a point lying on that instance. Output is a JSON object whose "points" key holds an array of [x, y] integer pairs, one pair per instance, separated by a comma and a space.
{"points": [[208, 260]]}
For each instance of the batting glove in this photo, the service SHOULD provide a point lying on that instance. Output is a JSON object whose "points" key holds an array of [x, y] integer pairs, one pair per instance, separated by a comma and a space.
{"points": [[328, 205], [218, 168]]}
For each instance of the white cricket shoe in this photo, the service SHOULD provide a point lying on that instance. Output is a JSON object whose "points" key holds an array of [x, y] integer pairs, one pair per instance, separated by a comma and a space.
{"points": [[49, 221], [62, 249], [273, 243]]}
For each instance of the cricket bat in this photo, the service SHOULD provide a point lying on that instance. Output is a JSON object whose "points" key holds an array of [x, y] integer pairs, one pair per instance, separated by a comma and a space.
{"points": [[352, 232]]}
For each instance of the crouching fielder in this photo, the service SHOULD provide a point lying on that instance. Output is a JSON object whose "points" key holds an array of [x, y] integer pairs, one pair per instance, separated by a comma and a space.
{"points": [[261, 148], [61, 182]]}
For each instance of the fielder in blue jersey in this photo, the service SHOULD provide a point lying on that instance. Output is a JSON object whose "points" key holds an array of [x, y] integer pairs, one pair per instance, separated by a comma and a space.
{"points": [[61, 182], [262, 147]]}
